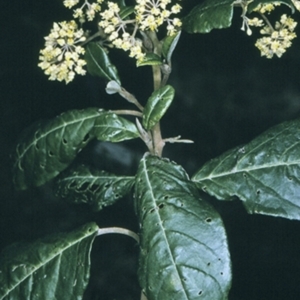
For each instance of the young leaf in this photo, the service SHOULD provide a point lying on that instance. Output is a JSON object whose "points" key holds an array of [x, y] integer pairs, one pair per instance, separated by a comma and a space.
{"points": [[98, 63], [184, 252], [47, 148], [83, 184], [55, 267], [150, 59], [209, 15], [157, 105], [169, 44], [264, 174], [113, 128]]}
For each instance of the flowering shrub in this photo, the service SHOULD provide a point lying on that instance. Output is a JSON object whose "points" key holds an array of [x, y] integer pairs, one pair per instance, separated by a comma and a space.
{"points": [[184, 252]]}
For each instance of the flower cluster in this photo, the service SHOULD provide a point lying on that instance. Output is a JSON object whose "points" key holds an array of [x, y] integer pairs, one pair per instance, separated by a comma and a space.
{"points": [[278, 39], [87, 10], [267, 7], [115, 27], [60, 59], [150, 14]]}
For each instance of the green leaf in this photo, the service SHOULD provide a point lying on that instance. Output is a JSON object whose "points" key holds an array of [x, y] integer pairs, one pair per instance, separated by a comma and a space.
{"points": [[113, 128], [83, 184], [46, 149], [150, 59], [209, 15], [255, 3], [184, 252], [157, 105], [55, 267], [126, 11], [169, 44], [98, 63], [264, 174]]}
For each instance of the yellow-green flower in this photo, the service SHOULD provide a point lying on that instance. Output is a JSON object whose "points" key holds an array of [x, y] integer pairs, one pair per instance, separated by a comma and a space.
{"points": [[278, 39], [86, 10], [60, 59], [150, 14]]}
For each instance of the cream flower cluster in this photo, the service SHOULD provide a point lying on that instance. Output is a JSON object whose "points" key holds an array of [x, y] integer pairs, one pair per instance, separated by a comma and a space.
{"points": [[115, 27], [150, 14], [87, 10], [60, 59], [278, 39]]}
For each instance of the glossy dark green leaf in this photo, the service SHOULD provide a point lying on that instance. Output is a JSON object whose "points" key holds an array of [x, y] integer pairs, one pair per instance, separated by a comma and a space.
{"points": [[255, 3], [113, 128], [264, 174], [47, 148], [209, 15], [157, 105], [184, 252], [150, 59], [83, 184], [98, 63], [169, 44], [55, 267]]}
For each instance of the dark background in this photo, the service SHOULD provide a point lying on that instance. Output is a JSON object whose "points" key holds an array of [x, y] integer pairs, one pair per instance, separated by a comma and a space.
{"points": [[226, 94]]}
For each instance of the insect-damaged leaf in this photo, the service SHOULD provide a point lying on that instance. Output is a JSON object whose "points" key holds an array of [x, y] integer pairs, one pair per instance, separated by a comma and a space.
{"points": [[98, 63], [184, 251], [264, 174], [47, 148], [55, 267], [157, 105], [83, 184]]}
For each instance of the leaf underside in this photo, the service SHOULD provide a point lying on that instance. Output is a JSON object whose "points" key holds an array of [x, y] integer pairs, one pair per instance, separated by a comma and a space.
{"points": [[184, 252], [264, 174], [55, 267], [83, 184]]}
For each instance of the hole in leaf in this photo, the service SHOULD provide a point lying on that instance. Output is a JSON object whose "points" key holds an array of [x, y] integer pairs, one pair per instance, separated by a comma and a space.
{"points": [[86, 138], [208, 220], [151, 210], [221, 273], [166, 197], [200, 292], [204, 189], [160, 206], [51, 153], [150, 288], [258, 192], [64, 141], [83, 187], [245, 175], [208, 264], [117, 196], [181, 204]]}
